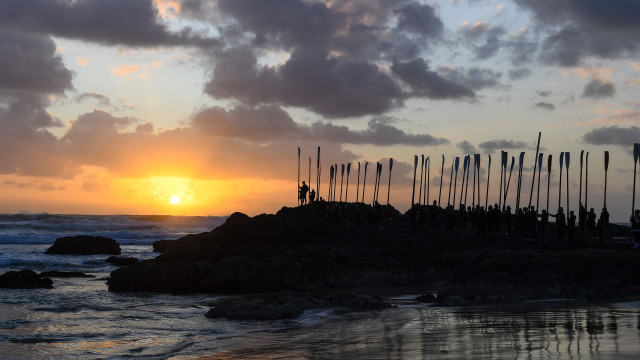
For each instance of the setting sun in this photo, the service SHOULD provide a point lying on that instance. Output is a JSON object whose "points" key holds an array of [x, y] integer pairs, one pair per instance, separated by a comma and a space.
{"points": [[175, 199]]}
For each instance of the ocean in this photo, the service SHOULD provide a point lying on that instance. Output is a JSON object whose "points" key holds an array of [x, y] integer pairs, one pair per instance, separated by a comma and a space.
{"points": [[80, 319]]}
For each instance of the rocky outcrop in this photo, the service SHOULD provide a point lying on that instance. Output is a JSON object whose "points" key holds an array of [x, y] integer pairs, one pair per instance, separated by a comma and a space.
{"points": [[84, 245], [328, 246], [122, 261], [24, 279]]}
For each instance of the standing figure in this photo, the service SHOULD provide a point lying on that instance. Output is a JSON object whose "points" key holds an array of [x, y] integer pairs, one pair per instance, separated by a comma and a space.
{"points": [[303, 193], [561, 222], [571, 224]]}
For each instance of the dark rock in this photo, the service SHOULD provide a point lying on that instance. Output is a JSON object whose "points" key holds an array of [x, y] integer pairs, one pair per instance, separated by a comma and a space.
{"points": [[64, 274], [24, 279], [122, 261], [84, 245]]}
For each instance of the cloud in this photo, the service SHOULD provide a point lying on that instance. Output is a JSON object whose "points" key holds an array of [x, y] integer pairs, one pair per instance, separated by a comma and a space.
{"points": [[419, 19], [484, 40], [114, 22], [598, 89], [586, 28], [29, 62], [544, 105], [270, 123], [123, 70], [335, 88], [518, 74], [473, 78], [427, 83], [467, 147], [613, 135], [493, 145], [81, 61], [102, 99]]}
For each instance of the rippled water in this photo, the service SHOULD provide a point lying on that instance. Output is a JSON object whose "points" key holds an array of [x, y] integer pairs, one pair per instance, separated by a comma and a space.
{"points": [[80, 319]]}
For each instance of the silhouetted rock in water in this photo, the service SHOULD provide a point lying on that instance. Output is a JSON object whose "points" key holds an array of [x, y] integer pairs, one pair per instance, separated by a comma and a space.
{"points": [[84, 245], [324, 246], [289, 305], [24, 279], [65, 274], [121, 261]]}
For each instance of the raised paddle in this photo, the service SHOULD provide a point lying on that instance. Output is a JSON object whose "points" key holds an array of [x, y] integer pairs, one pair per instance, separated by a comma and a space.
{"points": [[389, 188], [503, 168], [567, 158], [548, 179], [507, 183], [421, 175], [520, 162], [534, 168], [581, 163], [364, 179], [586, 181], [428, 160], [358, 186], [455, 185], [413, 190], [540, 157], [560, 178], [346, 193], [331, 173], [486, 198], [450, 181], [636, 153], [341, 181], [441, 176], [606, 167], [298, 188]]}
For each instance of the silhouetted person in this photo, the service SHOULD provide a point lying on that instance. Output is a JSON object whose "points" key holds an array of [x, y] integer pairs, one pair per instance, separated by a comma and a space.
{"points": [[544, 224], [635, 228], [582, 221], [604, 226], [571, 224], [561, 222], [591, 225], [312, 196], [303, 193]]}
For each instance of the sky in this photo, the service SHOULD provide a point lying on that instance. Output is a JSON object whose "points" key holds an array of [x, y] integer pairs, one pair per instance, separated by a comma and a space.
{"points": [[120, 106]]}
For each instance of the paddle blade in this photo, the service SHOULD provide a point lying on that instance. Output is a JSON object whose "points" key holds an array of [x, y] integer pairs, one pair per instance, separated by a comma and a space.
{"points": [[348, 168], [636, 152], [489, 160], [549, 163], [581, 157], [606, 160], [318, 156], [391, 163], [561, 159], [567, 158], [457, 163], [521, 159], [342, 170], [540, 157], [366, 165], [415, 160], [505, 158]]}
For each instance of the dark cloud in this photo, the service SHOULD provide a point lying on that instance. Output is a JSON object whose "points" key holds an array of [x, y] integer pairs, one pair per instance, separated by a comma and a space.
{"points": [[102, 99], [517, 74], [485, 40], [427, 83], [467, 147], [543, 93], [419, 19], [493, 145], [522, 51], [587, 28], [613, 135], [598, 89], [26, 148], [545, 105], [335, 88], [473, 78], [268, 123], [29, 62], [112, 22]]}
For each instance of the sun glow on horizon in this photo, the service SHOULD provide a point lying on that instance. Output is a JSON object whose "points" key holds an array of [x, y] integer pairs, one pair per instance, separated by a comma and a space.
{"points": [[175, 199]]}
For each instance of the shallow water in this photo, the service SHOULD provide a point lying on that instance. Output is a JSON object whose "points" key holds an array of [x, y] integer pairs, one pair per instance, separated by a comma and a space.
{"points": [[80, 319]]}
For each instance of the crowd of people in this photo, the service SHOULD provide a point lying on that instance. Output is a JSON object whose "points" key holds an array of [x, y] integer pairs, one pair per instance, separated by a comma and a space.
{"points": [[523, 223]]}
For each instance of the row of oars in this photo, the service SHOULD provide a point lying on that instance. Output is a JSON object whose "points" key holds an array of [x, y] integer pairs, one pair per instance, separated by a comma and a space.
{"points": [[505, 181], [333, 180]]}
